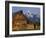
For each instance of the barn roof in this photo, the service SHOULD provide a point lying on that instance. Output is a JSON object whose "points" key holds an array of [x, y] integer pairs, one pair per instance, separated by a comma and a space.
{"points": [[19, 12]]}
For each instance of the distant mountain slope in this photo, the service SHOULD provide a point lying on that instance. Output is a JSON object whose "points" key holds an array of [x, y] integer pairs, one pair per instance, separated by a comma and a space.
{"points": [[34, 19]]}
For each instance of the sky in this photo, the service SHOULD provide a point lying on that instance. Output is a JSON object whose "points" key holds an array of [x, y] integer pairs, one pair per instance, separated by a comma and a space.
{"points": [[26, 10]]}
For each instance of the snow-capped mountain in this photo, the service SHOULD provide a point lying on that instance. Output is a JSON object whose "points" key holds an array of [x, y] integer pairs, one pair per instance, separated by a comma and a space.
{"points": [[33, 17]]}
